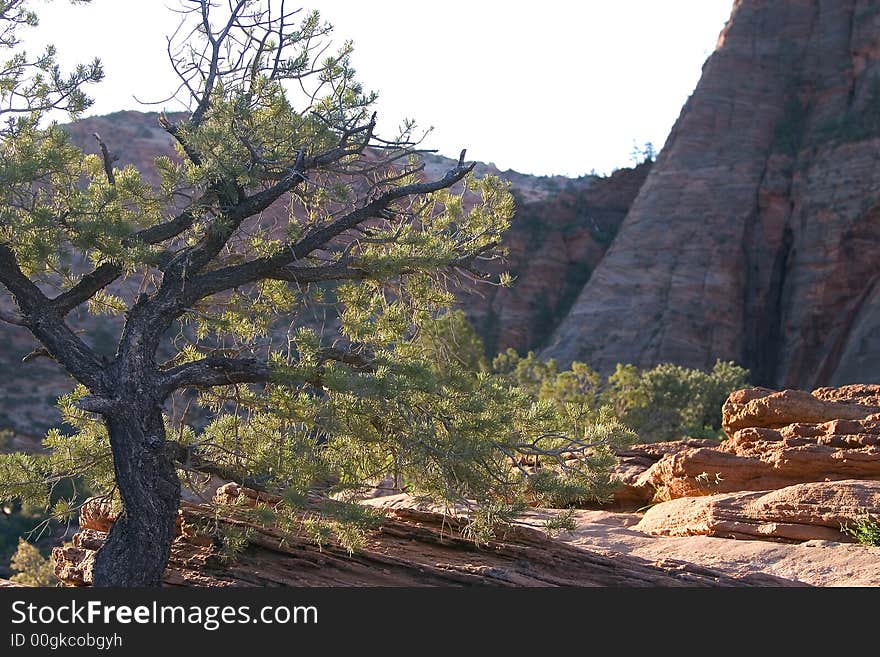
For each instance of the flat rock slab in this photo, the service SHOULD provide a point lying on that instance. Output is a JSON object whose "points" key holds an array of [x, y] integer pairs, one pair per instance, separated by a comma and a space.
{"points": [[812, 511], [412, 547], [814, 562]]}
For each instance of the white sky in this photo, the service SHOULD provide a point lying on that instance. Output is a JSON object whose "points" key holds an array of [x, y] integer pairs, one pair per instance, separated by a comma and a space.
{"points": [[549, 87]]}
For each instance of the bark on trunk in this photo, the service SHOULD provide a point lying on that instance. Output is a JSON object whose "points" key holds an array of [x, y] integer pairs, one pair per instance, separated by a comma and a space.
{"points": [[139, 544]]}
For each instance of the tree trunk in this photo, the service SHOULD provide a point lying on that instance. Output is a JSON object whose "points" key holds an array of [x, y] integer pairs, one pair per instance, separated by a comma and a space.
{"points": [[139, 544]]}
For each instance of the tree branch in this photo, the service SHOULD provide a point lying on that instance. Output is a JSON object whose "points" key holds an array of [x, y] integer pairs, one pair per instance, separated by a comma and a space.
{"points": [[188, 459], [273, 266], [86, 288], [108, 160], [174, 130], [48, 326], [105, 274], [213, 371]]}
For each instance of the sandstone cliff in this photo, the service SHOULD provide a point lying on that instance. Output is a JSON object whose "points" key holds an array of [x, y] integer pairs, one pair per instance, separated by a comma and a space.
{"points": [[754, 237]]}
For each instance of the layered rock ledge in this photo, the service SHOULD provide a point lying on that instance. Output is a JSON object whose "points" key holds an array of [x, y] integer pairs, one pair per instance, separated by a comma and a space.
{"points": [[412, 547]]}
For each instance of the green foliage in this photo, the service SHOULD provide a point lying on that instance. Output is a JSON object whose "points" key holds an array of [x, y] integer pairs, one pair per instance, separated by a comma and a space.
{"points": [[394, 382], [72, 463], [233, 541], [16, 520], [451, 338], [542, 379], [865, 529], [561, 522], [666, 402], [31, 568], [669, 402]]}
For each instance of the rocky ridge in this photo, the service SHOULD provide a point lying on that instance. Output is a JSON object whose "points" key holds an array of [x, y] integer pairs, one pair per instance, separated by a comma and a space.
{"points": [[413, 547]]}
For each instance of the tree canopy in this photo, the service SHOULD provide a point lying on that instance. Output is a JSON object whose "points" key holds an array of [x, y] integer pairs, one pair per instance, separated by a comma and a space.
{"points": [[281, 295]]}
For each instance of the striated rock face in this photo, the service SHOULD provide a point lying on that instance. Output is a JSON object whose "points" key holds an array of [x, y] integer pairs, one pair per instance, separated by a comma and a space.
{"points": [[814, 511], [412, 547], [754, 236], [554, 244]]}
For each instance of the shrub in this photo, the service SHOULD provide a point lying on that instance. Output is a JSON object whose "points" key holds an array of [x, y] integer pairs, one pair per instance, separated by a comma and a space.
{"points": [[31, 568], [669, 401], [866, 530]]}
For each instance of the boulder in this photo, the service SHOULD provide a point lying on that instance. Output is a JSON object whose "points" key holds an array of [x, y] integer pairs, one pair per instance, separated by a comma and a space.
{"points": [[760, 407], [633, 490], [803, 512]]}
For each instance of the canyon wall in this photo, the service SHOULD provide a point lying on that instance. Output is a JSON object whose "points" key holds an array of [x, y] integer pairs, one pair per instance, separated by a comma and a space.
{"points": [[754, 237]]}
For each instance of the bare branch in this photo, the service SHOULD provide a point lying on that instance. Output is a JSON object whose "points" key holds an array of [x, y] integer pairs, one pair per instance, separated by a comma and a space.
{"points": [[107, 159], [39, 352], [174, 130]]}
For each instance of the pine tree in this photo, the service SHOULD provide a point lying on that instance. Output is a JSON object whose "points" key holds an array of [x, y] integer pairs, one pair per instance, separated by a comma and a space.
{"points": [[282, 203]]}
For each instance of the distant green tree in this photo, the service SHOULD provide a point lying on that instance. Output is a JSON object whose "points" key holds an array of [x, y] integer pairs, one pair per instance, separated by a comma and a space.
{"points": [[668, 402], [30, 567]]}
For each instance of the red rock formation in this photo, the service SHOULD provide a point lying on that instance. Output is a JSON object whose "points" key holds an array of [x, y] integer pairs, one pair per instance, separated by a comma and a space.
{"points": [[776, 439], [554, 243], [753, 238], [759, 407], [814, 511], [867, 395], [634, 491], [97, 514], [411, 548]]}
